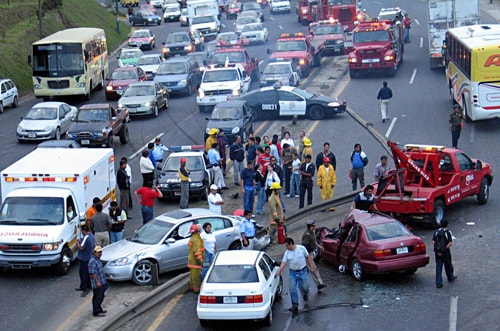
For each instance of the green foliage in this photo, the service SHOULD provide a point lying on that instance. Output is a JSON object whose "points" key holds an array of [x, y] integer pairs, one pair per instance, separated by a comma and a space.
{"points": [[51, 4]]}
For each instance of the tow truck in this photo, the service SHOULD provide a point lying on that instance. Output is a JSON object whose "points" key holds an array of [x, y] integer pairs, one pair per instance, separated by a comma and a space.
{"points": [[298, 48], [330, 33], [377, 46], [235, 53], [428, 178]]}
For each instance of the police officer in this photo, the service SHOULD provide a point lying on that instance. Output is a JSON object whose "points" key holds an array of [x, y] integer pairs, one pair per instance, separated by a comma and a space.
{"points": [[455, 124], [247, 231]]}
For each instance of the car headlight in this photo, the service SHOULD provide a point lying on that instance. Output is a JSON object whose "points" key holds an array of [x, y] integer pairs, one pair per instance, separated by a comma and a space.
{"points": [[201, 93], [150, 19], [163, 185], [302, 62], [48, 128], [82, 84], [304, 11], [196, 184], [188, 48], [213, 28], [71, 136], [109, 88], [340, 42], [334, 104], [37, 87], [235, 130], [147, 104], [388, 58], [119, 262], [166, 50], [120, 105], [51, 246], [352, 60], [183, 82], [236, 91]]}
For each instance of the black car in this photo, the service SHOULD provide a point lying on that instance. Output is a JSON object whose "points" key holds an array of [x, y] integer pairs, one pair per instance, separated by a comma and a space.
{"points": [[179, 75], [143, 17], [182, 43], [234, 117], [277, 101]]}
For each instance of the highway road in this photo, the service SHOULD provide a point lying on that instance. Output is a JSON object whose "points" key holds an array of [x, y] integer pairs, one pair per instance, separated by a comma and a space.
{"points": [[37, 299]]}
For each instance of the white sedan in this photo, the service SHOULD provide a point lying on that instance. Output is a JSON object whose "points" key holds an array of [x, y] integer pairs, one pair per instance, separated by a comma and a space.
{"points": [[240, 285], [254, 33], [46, 120]]}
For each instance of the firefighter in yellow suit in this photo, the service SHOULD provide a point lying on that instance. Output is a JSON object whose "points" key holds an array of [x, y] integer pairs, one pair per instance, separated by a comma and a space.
{"points": [[196, 258], [211, 139], [326, 179]]}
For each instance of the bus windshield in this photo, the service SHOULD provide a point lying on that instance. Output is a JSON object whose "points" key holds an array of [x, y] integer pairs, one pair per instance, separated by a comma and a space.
{"points": [[57, 60]]}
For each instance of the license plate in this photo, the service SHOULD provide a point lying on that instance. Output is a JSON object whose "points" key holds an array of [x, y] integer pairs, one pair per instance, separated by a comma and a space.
{"points": [[370, 61], [212, 99], [177, 194], [401, 250], [120, 92], [31, 135], [230, 299], [172, 17], [85, 142]]}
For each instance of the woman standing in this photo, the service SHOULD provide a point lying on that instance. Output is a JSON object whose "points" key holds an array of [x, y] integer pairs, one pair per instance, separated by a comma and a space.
{"points": [[260, 179], [210, 247], [196, 258], [272, 177]]}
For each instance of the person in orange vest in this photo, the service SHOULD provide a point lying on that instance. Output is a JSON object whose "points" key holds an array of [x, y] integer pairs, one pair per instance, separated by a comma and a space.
{"points": [[196, 258], [91, 212]]}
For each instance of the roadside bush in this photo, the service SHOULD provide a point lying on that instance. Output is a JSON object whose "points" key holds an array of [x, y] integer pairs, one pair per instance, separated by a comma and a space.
{"points": [[51, 4]]}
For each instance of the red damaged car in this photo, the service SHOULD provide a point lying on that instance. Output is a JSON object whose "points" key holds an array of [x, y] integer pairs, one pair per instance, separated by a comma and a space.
{"points": [[372, 243]]}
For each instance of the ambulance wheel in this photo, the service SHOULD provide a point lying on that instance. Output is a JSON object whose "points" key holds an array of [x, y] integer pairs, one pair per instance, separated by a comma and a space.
{"points": [[466, 113], [62, 267], [437, 214], [484, 192]]}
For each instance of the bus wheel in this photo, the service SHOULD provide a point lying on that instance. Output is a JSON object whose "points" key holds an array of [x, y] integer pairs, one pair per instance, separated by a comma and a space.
{"points": [[466, 113], [101, 84]]}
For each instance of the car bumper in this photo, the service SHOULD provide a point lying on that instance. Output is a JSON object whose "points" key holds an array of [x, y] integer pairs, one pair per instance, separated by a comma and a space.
{"points": [[401, 264], [141, 45], [282, 9], [114, 94], [372, 66], [174, 191], [212, 312], [28, 262], [177, 89], [35, 135], [119, 273], [46, 92], [141, 111], [211, 101]]}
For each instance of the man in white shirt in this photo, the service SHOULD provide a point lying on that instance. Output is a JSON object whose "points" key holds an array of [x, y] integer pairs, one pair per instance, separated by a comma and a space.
{"points": [[299, 264], [147, 168], [215, 200]]}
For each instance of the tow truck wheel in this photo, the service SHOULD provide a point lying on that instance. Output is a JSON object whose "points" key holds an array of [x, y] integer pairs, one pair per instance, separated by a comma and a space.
{"points": [[484, 192], [316, 112], [438, 214], [62, 267], [124, 136]]}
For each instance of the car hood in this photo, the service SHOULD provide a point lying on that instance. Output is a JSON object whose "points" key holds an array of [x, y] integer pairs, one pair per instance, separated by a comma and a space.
{"points": [[121, 82], [121, 249], [136, 99], [229, 124], [195, 175], [274, 77], [149, 67], [170, 78], [324, 98], [289, 54], [141, 40], [88, 126], [251, 33], [37, 124], [180, 44]]}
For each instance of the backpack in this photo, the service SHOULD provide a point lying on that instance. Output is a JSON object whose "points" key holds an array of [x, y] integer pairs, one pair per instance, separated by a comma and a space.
{"points": [[440, 243]]}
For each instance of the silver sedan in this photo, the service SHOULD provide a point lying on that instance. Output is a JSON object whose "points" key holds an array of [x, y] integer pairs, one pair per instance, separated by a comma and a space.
{"points": [[46, 120]]}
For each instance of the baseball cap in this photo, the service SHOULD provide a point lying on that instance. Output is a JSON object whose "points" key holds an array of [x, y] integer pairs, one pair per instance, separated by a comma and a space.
{"points": [[213, 187], [97, 249], [311, 222]]}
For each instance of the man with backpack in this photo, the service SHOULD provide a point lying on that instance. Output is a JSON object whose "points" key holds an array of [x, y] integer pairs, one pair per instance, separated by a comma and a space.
{"points": [[442, 241]]}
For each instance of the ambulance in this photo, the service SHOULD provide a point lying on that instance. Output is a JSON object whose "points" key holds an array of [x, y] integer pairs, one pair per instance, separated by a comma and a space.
{"points": [[45, 197]]}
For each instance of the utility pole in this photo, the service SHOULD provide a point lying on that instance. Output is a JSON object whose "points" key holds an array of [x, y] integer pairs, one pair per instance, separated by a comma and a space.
{"points": [[40, 18], [117, 18]]}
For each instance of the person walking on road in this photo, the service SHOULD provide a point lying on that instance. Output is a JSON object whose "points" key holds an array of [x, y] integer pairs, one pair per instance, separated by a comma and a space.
{"points": [[307, 170], [310, 243], [327, 179], [385, 96], [98, 281], [299, 265], [359, 160], [184, 178], [148, 194], [85, 247], [456, 124], [247, 231], [237, 156], [443, 237], [210, 245], [196, 258], [381, 168]]}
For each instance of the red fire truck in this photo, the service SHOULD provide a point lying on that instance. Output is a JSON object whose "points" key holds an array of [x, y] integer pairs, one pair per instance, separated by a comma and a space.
{"points": [[377, 46], [346, 12], [428, 178], [307, 11]]}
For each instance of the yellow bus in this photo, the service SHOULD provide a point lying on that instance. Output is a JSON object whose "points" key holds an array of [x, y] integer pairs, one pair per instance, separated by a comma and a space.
{"points": [[473, 69], [69, 63]]}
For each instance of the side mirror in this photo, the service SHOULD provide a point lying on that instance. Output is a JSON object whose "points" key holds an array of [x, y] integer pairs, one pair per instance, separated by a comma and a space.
{"points": [[170, 241], [479, 165], [207, 118]]}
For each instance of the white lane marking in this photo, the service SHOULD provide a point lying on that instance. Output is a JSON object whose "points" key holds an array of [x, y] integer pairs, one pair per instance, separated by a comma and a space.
{"points": [[421, 42], [391, 126], [281, 28], [413, 76], [453, 314], [145, 146], [416, 21], [223, 25], [260, 62]]}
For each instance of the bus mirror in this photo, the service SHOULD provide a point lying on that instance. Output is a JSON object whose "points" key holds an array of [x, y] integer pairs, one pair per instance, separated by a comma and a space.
{"points": [[86, 53], [29, 60]]}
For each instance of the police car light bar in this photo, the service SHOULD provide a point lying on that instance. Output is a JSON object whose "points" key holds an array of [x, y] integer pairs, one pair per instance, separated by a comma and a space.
{"points": [[186, 148], [425, 148]]}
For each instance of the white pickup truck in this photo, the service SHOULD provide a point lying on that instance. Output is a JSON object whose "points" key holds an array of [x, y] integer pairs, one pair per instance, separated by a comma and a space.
{"points": [[219, 84]]}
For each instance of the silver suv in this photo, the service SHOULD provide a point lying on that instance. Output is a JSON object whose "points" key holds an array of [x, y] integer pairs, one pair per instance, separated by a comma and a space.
{"points": [[8, 94]]}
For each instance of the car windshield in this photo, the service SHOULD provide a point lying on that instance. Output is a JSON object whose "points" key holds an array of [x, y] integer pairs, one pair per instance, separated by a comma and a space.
{"points": [[140, 34], [147, 13], [172, 9], [369, 36], [202, 19], [124, 75], [32, 211], [143, 61], [386, 231], [193, 163], [328, 29], [131, 54], [151, 233], [291, 45], [139, 91], [303, 93], [227, 114], [220, 76], [89, 115], [253, 27], [251, 6], [172, 69], [246, 20], [233, 274], [232, 57], [277, 69], [42, 113], [177, 38]]}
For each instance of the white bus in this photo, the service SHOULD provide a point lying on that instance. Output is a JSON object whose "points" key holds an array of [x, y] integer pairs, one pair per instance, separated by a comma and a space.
{"points": [[69, 63], [473, 69]]}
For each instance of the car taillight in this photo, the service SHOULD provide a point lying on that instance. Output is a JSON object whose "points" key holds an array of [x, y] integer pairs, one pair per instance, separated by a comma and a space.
{"points": [[420, 248], [207, 299], [382, 252], [254, 298]]}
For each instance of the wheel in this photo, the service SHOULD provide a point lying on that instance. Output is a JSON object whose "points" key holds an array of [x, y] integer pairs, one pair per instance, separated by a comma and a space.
{"points": [[437, 214], [236, 246], [133, 23], [411, 271], [392, 71], [307, 71], [357, 270], [452, 98], [159, 22], [57, 135], [256, 74], [268, 320], [124, 136], [109, 143], [466, 113], [316, 112], [155, 112], [15, 103], [317, 60], [164, 20], [166, 101], [1, 107], [189, 90], [353, 74], [484, 192], [143, 273], [204, 323], [62, 267]]}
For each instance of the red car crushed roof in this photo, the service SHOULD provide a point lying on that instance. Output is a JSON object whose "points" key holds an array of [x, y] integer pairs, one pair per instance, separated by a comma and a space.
{"points": [[372, 243]]}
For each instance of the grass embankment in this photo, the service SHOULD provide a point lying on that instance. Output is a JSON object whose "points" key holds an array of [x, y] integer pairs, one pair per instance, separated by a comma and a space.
{"points": [[19, 28]]}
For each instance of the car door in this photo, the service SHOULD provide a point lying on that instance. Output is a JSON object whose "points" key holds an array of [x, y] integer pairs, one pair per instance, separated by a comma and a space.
{"points": [[174, 251], [267, 105], [161, 97], [267, 285], [6, 97], [274, 282], [64, 117], [291, 104], [469, 178], [348, 248], [224, 230], [141, 74]]}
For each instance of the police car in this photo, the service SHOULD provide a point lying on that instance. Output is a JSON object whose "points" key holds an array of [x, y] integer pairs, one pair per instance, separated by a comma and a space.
{"points": [[277, 101]]}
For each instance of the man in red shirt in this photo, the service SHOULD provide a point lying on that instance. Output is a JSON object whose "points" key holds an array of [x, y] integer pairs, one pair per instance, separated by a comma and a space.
{"points": [[148, 194], [265, 159]]}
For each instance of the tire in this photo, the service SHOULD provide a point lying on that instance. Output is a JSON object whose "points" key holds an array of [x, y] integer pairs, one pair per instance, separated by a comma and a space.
{"points": [[57, 135], [484, 192], [62, 267], [357, 270], [15, 103], [268, 320], [307, 71], [353, 74], [133, 23], [1, 108], [256, 74], [143, 273], [316, 112], [317, 60], [155, 112], [235, 246], [110, 141], [124, 135], [102, 83], [204, 323], [437, 214], [392, 71], [411, 271], [466, 113]]}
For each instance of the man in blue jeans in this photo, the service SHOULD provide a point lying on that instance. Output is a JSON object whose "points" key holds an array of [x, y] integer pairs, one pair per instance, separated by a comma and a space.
{"points": [[300, 264], [248, 186]]}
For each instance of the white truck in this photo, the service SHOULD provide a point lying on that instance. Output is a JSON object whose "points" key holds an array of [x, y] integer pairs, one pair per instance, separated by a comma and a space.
{"points": [[202, 7], [45, 197], [219, 84], [443, 15]]}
